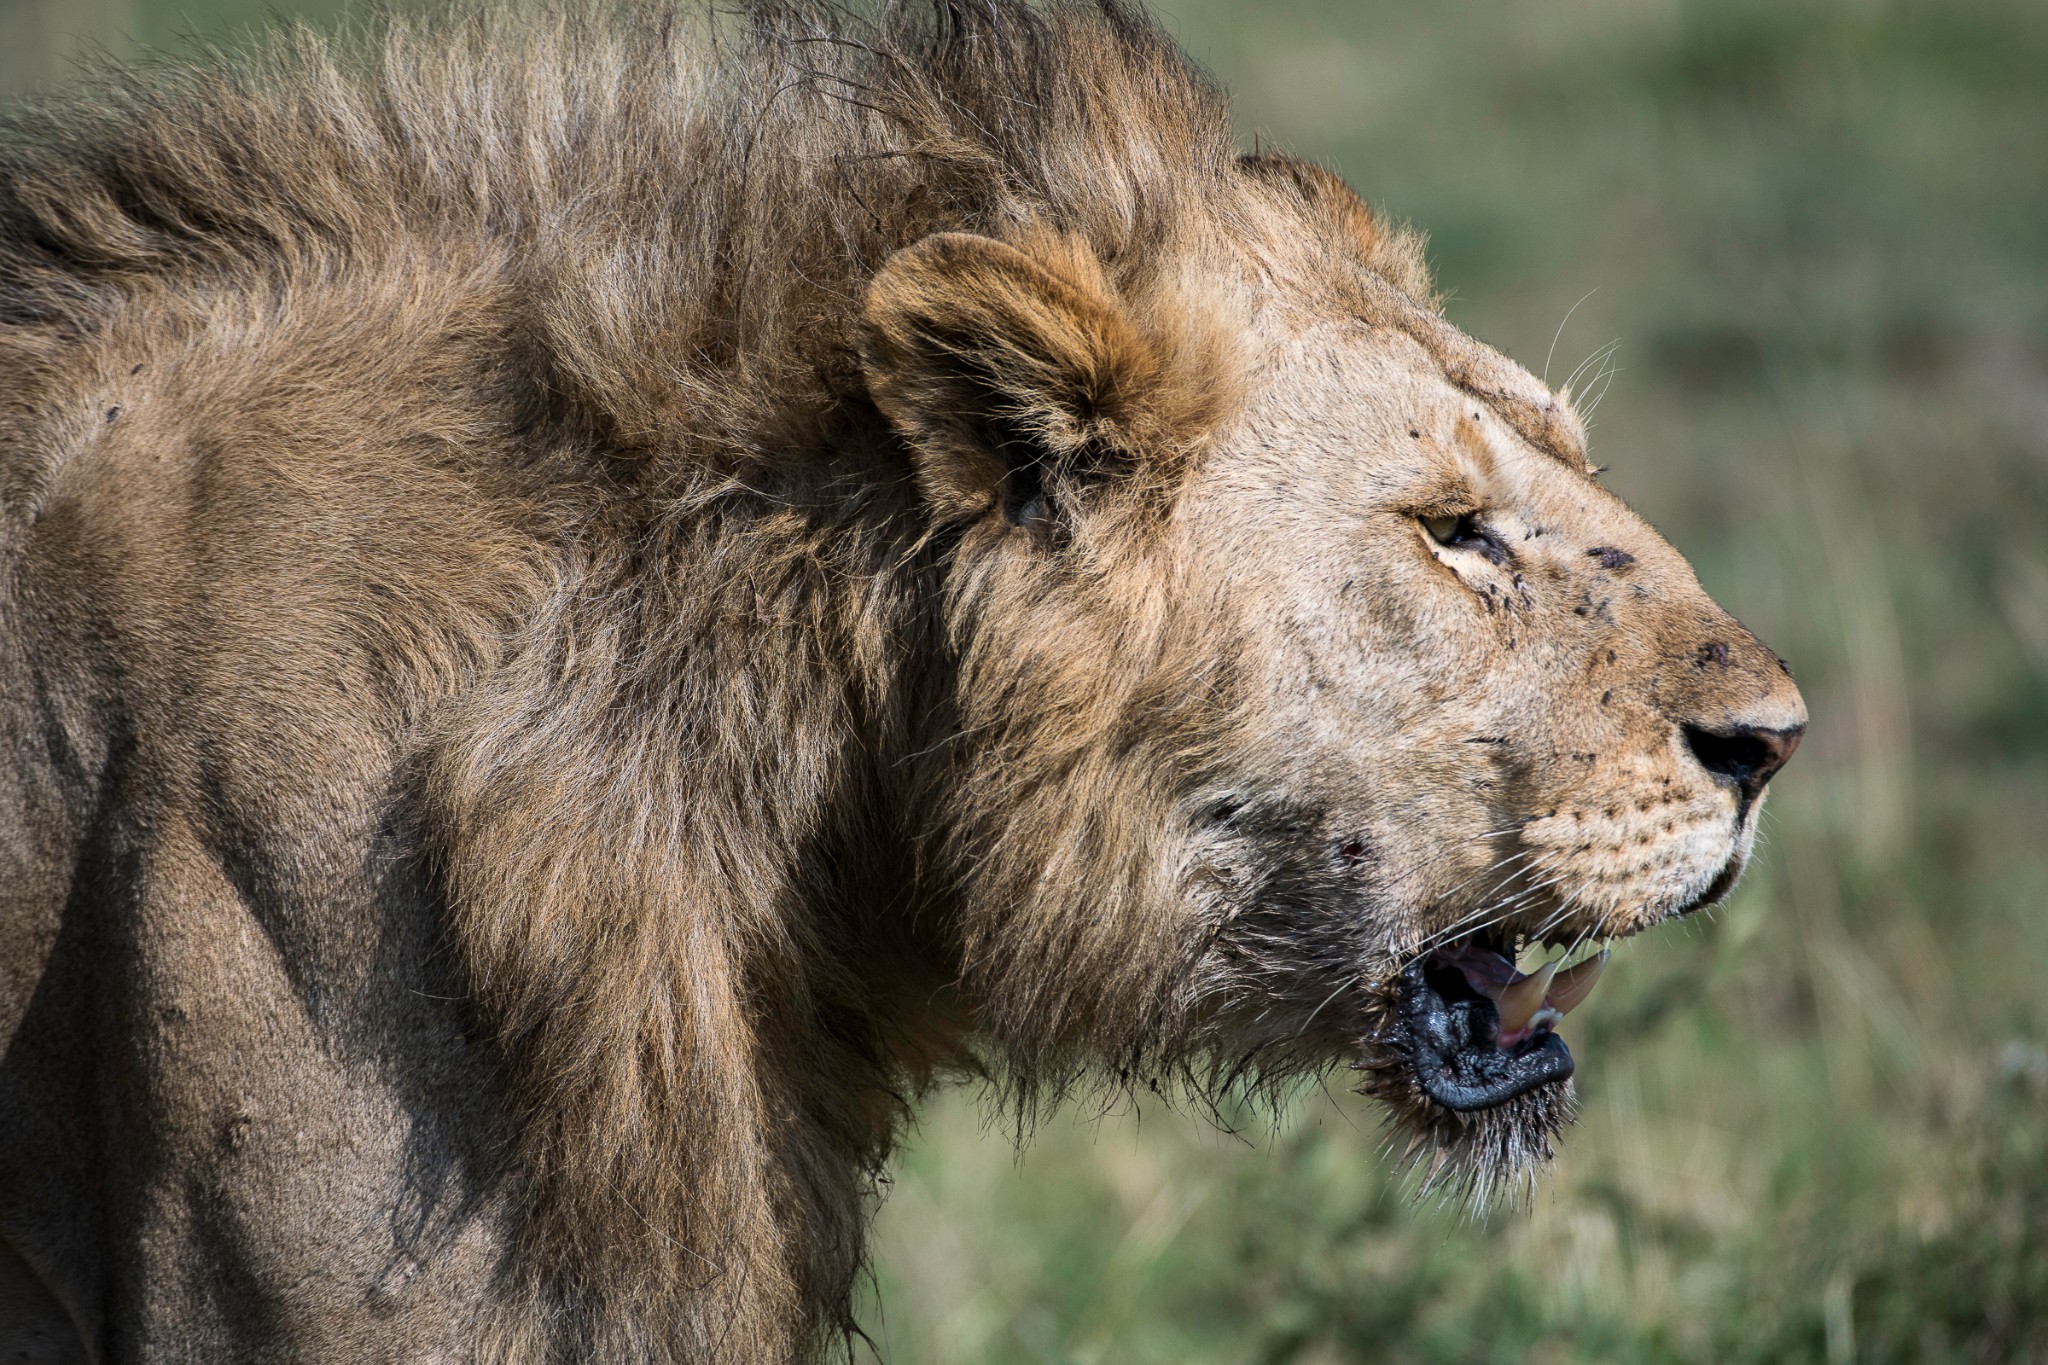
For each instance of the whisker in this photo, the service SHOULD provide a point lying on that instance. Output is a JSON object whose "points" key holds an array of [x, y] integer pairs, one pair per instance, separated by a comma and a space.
{"points": [[1597, 358], [1558, 917], [1487, 902], [1560, 331], [1487, 915], [1342, 987], [1605, 380], [1497, 865], [1501, 909]]}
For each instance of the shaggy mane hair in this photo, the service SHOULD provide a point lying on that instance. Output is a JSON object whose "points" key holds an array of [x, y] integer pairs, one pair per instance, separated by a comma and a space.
{"points": [[656, 733], [686, 210]]}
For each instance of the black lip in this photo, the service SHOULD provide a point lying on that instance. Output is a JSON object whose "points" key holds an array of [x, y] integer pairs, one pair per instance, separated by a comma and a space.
{"points": [[1450, 1034], [1724, 882]]}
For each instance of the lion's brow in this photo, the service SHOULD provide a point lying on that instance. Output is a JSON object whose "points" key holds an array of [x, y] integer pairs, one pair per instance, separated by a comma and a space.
{"points": [[1544, 419]]}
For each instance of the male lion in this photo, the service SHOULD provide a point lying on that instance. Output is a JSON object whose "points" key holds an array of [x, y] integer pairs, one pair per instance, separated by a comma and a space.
{"points": [[588, 609]]}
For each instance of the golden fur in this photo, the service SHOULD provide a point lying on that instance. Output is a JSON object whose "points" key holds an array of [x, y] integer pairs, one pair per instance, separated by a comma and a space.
{"points": [[588, 607]]}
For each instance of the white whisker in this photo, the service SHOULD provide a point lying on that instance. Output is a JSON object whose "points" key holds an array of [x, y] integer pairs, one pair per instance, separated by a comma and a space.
{"points": [[1547, 355], [1597, 358]]}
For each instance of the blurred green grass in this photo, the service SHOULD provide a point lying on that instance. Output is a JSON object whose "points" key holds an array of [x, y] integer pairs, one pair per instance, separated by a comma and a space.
{"points": [[1814, 234]]}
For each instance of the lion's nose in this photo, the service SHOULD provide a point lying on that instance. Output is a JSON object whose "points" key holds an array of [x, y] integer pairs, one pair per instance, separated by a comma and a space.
{"points": [[1746, 756]]}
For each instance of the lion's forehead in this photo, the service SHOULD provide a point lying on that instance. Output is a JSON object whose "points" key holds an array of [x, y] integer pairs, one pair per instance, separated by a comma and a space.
{"points": [[1342, 416], [1357, 320]]}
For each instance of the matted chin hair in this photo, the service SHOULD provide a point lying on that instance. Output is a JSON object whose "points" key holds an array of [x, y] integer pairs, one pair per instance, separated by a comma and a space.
{"points": [[1480, 1159]]}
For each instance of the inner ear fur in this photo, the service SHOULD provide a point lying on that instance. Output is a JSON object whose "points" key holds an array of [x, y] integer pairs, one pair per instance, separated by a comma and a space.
{"points": [[1020, 375]]}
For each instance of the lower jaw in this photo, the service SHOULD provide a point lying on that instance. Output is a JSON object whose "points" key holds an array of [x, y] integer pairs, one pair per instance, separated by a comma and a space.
{"points": [[1481, 1107], [1452, 1039], [1478, 1157]]}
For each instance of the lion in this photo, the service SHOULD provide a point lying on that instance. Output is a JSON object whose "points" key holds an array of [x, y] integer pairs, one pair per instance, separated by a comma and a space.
{"points": [[595, 603]]}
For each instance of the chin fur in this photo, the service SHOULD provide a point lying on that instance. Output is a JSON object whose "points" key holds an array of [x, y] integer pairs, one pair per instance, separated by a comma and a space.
{"points": [[1481, 1159]]}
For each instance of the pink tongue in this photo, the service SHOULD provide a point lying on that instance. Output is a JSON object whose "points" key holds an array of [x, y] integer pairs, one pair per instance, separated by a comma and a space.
{"points": [[1528, 1002], [1490, 974], [1486, 971]]}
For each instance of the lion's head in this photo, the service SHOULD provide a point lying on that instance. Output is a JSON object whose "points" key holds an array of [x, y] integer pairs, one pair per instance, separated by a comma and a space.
{"points": [[640, 592], [1309, 675]]}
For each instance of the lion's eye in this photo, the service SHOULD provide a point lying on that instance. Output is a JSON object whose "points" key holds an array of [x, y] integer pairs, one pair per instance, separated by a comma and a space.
{"points": [[1463, 533], [1456, 532], [1443, 530]]}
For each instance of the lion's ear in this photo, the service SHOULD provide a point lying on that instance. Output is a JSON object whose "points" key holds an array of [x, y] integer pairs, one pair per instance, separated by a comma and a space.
{"points": [[1020, 378]]}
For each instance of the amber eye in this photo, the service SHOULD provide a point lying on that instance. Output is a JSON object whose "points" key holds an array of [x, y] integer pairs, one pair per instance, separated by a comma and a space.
{"points": [[1463, 533], [1443, 530]]}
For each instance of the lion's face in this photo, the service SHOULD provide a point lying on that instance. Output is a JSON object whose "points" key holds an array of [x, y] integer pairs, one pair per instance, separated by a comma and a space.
{"points": [[1288, 720], [1473, 657], [1514, 715]]}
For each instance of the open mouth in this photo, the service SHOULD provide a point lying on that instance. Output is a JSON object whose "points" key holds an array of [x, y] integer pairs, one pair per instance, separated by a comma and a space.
{"points": [[1478, 1031]]}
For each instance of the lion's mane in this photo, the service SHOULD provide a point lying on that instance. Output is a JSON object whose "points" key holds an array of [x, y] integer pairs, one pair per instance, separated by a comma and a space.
{"points": [[636, 632]]}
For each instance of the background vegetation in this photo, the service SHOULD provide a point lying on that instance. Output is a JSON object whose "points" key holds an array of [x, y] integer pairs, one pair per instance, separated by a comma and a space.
{"points": [[1803, 247]]}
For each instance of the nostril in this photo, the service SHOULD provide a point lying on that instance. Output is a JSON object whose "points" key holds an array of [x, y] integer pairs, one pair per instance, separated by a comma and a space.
{"points": [[1747, 757], [1734, 756]]}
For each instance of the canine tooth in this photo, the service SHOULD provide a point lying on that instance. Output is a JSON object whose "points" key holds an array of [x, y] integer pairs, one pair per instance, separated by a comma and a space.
{"points": [[1572, 986], [1519, 1002]]}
